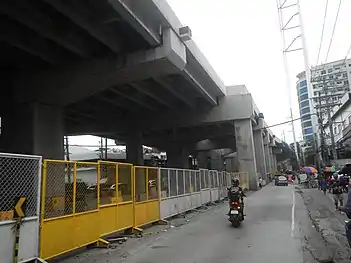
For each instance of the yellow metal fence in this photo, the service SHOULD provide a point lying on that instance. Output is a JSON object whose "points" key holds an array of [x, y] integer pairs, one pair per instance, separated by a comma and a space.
{"points": [[82, 202]]}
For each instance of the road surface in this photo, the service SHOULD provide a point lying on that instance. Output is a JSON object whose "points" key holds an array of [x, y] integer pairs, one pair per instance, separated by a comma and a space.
{"points": [[277, 229]]}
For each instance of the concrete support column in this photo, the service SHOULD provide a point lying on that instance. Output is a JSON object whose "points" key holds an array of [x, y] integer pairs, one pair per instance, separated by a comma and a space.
{"points": [[268, 159], [273, 159], [260, 154], [134, 149], [245, 150], [33, 128], [178, 157]]}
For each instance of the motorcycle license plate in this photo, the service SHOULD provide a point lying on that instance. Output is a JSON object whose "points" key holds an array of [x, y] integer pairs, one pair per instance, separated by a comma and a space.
{"points": [[234, 212]]}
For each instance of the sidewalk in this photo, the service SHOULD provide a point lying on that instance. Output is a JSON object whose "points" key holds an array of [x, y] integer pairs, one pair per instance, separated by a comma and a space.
{"points": [[327, 221]]}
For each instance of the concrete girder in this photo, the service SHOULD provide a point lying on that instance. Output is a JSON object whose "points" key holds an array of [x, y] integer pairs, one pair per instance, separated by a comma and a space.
{"points": [[27, 14], [78, 81], [199, 88], [81, 14], [134, 12], [187, 100], [24, 40], [149, 91], [133, 99], [230, 108]]}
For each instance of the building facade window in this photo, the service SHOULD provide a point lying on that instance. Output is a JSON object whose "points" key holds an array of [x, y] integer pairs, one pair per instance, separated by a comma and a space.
{"points": [[303, 90], [305, 110], [308, 137], [305, 118], [344, 75], [335, 130], [303, 83], [306, 124], [307, 131], [304, 104], [330, 70], [323, 72], [339, 128], [304, 97]]}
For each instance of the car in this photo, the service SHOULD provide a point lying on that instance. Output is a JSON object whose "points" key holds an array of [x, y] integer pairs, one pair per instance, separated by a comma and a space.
{"points": [[281, 180]]}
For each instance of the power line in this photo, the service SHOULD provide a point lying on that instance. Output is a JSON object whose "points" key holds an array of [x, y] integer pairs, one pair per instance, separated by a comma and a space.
{"points": [[321, 41], [289, 121], [332, 36]]}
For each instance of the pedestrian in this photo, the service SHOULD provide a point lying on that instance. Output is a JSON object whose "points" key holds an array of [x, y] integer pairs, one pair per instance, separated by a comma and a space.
{"points": [[324, 185], [337, 195]]}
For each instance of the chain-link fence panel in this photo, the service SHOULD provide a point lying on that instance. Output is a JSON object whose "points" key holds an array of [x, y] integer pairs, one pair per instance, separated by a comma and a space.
{"points": [[152, 183], [107, 182], [165, 191], [58, 188], [19, 177], [197, 181], [173, 182], [125, 173], [181, 188], [86, 198], [140, 184], [187, 181]]}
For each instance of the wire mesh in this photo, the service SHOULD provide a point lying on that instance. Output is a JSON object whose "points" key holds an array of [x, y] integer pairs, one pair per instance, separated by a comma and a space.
{"points": [[180, 182], [165, 191], [140, 184], [58, 189], [173, 181], [192, 182], [86, 197], [125, 182], [152, 183], [197, 179], [107, 183], [19, 177], [187, 181]]}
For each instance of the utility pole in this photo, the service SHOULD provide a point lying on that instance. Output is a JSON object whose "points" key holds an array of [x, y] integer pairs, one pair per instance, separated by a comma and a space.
{"points": [[325, 158], [67, 148], [105, 148]]}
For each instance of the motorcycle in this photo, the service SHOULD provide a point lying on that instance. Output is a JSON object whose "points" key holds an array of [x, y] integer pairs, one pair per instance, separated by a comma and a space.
{"points": [[235, 214]]}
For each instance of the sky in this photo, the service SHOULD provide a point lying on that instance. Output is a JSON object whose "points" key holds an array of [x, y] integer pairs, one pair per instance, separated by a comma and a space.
{"points": [[242, 41]]}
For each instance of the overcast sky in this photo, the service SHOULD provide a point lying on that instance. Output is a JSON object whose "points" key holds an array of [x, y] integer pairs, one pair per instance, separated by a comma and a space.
{"points": [[242, 41]]}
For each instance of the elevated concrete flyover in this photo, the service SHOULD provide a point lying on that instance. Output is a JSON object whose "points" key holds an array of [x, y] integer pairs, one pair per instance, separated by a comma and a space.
{"points": [[235, 124], [69, 64]]}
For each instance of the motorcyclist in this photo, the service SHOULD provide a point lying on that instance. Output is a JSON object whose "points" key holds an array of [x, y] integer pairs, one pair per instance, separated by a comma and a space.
{"points": [[236, 194]]}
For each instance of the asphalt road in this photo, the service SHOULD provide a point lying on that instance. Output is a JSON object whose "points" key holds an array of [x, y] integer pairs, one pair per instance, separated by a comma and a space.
{"points": [[277, 229]]}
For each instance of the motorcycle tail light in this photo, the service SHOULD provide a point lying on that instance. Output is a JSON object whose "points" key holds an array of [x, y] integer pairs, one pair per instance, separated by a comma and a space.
{"points": [[235, 203]]}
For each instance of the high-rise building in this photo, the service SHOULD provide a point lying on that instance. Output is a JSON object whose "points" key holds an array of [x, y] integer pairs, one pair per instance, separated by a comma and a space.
{"points": [[305, 107], [330, 82]]}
